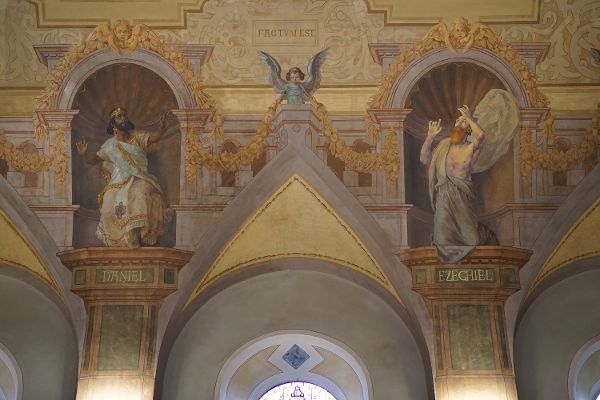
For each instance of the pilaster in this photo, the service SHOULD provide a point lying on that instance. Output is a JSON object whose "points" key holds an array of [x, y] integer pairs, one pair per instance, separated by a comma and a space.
{"points": [[392, 214], [526, 190], [296, 125], [122, 290], [466, 304], [55, 208]]}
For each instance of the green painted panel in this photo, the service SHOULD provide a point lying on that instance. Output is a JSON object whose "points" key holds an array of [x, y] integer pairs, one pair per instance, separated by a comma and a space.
{"points": [[471, 344], [120, 338], [169, 276], [438, 338], [502, 336], [509, 275], [421, 275], [151, 338], [88, 338], [80, 277]]}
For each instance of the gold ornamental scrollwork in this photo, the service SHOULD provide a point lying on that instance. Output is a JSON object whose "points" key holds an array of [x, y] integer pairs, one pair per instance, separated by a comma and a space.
{"points": [[388, 159], [122, 37], [196, 154], [531, 156], [460, 38], [37, 162]]}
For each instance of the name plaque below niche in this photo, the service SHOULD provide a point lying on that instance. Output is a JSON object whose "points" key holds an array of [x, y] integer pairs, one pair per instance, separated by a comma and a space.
{"points": [[118, 276], [286, 33], [461, 275]]}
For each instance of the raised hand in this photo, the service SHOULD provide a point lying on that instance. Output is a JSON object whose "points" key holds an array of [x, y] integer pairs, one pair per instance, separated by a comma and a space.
{"points": [[435, 127], [82, 146], [465, 112]]}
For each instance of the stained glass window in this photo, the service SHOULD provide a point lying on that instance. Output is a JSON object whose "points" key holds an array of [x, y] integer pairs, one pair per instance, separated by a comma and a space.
{"points": [[297, 391]]}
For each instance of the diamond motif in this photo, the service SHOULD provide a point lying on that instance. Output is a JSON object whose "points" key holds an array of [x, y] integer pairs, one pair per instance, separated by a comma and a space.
{"points": [[295, 356]]}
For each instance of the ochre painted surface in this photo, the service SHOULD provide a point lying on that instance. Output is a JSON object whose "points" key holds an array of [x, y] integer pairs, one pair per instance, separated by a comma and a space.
{"points": [[173, 12], [256, 369], [579, 243], [294, 222], [431, 11], [471, 346], [17, 251], [120, 338], [340, 372], [338, 100], [237, 29]]}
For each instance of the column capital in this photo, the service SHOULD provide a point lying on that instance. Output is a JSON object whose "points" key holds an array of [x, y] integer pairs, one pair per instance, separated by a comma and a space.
{"points": [[389, 115], [102, 274], [189, 117], [533, 116], [296, 114], [490, 274], [55, 119]]}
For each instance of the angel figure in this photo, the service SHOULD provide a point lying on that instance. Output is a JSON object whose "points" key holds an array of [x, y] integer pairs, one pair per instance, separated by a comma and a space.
{"points": [[294, 88], [436, 36]]}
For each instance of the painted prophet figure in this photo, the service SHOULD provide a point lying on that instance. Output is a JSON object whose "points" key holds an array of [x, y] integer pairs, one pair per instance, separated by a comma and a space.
{"points": [[132, 210], [294, 89], [473, 146]]}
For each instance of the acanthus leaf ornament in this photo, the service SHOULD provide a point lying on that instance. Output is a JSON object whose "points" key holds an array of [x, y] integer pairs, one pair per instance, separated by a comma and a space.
{"points": [[460, 38], [121, 37]]}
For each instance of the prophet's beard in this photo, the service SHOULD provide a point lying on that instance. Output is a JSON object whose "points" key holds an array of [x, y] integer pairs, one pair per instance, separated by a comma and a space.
{"points": [[458, 134], [125, 126]]}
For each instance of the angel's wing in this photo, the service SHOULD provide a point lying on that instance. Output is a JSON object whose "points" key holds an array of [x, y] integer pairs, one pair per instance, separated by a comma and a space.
{"points": [[312, 83], [275, 76], [498, 115]]}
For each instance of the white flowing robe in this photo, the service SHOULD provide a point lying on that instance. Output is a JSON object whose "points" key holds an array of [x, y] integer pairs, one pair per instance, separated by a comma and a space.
{"points": [[456, 229], [132, 199]]}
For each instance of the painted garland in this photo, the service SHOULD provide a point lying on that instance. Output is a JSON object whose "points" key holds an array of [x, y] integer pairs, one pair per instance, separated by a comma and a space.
{"points": [[463, 35]]}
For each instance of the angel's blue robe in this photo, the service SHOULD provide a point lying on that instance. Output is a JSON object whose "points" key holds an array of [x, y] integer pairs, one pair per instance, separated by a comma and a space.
{"points": [[294, 93]]}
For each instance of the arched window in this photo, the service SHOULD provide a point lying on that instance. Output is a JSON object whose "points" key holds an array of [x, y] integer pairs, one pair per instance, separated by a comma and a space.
{"points": [[297, 391], [11, 384], [228, 177]]}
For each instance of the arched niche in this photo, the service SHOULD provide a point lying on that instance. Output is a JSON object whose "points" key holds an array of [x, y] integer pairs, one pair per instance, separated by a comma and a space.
{"points": [[195, 365], [434, 87], [293, 355], [146, 96], [105, 57], [435, 58]]}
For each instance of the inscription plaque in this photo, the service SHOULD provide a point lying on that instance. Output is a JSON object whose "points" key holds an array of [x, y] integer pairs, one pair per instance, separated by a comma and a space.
{"points": [[290, 33], [125, 275], [461, 275]]}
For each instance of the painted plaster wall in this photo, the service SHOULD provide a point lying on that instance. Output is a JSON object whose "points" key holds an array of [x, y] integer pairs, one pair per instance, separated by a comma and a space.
{"points": [[41, 340], [291, 300], [551, 332]]}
